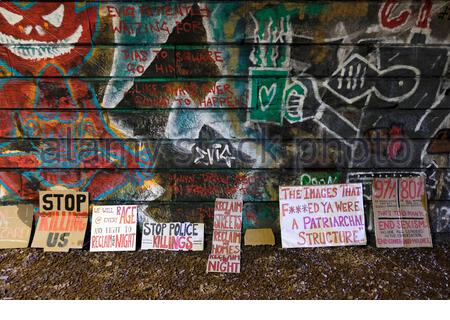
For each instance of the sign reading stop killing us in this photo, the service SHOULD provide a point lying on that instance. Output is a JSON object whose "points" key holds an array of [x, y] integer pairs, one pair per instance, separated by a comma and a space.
{"points": [[114, 228], [62, 220], [226, 247], [322, 216], [173, 236], [400, 213]]}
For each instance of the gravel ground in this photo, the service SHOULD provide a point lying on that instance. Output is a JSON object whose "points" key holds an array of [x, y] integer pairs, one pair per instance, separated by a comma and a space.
{"points": [[267, 273]]}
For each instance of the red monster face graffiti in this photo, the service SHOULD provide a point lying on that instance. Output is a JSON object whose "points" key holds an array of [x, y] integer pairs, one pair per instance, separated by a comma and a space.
{"points": [[46, 33]]}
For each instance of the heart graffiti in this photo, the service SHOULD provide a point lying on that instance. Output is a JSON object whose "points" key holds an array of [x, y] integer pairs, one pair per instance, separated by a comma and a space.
{"points": [[266, 96]]}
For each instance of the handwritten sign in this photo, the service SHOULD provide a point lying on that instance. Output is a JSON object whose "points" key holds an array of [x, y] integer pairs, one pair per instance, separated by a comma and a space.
{"points": [[113, 228], [400, 214], [62, 220], [174, 236], [224, 263], [322, 216], [226, 246], [15, 226]]}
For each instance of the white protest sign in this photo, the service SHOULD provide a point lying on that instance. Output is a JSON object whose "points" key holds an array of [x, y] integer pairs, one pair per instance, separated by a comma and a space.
{"points": [[226, 246], [114, 228], [174, 236], [321, 216]]}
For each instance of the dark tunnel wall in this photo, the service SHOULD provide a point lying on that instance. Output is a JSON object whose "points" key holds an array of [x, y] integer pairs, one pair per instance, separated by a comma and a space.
{"points": [[172, 104]]}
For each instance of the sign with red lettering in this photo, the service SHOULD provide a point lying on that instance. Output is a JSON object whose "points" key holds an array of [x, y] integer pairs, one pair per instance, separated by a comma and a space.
{"points": [[15, 226], [224, 263], [62, 220], [113, 228], [174, 236], [322, 216], [400, 214], [226, 247]]}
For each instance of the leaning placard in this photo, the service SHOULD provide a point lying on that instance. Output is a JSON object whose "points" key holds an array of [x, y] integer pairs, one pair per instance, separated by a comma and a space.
{"points": [[15, 226], [400, 213], [226, 246], [113, 228], [322, 216], [173, 236], [62, 220]]}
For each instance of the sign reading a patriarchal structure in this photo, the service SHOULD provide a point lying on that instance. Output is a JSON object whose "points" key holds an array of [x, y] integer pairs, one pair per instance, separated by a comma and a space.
{"points": [[322, 216]]}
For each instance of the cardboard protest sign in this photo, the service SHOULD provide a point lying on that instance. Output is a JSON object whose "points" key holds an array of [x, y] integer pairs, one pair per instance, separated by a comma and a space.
{"points": [[15, 226], [400, 214], [322, 216], [226, 246], [113, 228], [62, 220], [174, 236], [259, 237]]}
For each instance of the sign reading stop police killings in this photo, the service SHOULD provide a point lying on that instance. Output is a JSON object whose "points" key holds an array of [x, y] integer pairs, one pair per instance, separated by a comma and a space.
{"points": [[114, 228], [322, 216], [62, 220], [174, 236]]}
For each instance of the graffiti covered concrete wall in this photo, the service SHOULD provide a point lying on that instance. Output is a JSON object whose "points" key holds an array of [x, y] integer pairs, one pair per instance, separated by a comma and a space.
{"points": [[171, 104]]}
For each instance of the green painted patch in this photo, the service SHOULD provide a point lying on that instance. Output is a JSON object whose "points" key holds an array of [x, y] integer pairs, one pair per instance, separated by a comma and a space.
{"points": [[267, 86]]}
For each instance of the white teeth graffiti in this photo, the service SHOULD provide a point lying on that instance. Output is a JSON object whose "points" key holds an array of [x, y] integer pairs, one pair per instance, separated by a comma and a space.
{"points": [[38, 50]]}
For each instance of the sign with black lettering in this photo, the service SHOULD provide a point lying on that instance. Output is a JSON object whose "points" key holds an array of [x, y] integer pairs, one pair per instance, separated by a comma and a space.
{"points": [[174, 236], [114, 228], [62, 220]]}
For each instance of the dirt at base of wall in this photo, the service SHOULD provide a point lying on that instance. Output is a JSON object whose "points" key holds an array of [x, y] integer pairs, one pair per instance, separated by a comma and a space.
{"points": [[267, 273]]}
